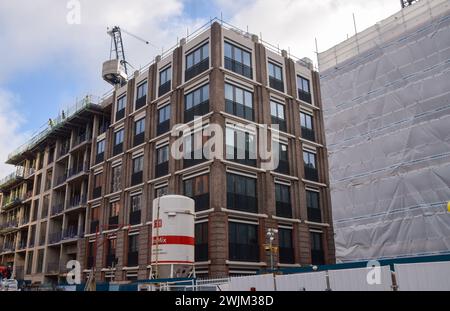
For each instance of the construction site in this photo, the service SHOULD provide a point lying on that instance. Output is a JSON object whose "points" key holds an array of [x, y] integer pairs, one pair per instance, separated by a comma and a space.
{"points": [[359, 199]]}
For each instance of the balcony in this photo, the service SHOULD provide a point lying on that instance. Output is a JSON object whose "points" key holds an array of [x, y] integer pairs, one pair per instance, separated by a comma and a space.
{"points": [[311, 173], [164, 88], [57, 209], [239, 110], [78, 171], [22, 245], [133, 259], [135, 217], [244, 252], [10, 202], [196, 69], [238, 67], [138, 139], [163, 127], [25, 220], [55, 237], [29, 173], [61, 180], [117, 149], [284, 209], [304, 96], [64, 150], [140, 102], [70, 233], [12, 178], [99, 157], [97, 192], [308, 134], [77, 201], [276, 84], [8, 248], [198, 110], [314, 214], [120, 114], [103, 128], [53, 267], [201, 202], [80, 139], [32, 242], [201, 252], [286, 255], [162, 169], [9, 225], [242, 203]]}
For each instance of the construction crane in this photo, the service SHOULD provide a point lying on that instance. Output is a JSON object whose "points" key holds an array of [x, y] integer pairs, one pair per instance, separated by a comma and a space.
{"points": [[115, 70], [406, 3]]}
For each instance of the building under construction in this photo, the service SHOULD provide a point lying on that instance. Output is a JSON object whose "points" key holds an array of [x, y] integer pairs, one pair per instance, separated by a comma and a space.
{"points": [[83, 187], [386, 99]]}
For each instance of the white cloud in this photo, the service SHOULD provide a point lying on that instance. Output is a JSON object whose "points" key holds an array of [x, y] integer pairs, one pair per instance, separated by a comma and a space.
{"points": [[10, 134], [294, 24]]}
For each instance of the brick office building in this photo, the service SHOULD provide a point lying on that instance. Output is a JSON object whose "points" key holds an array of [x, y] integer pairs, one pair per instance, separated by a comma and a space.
{"points": [[109, 160]]}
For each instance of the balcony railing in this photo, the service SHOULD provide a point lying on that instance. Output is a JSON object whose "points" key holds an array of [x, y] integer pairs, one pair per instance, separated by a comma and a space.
{"points": [[64, 149], [196, 69], [238, 67], [198, 110], [79, 139], [70, 232], [57, 209], [281, 123], [140, 102], [286, 255], [77, 170], [314, 214], [76, 201], [304, 96], [32, 242], [311, 173], [120, 114], [29, 172], [9, 202], [308, 134], [22, 244], [61, 179], [55, 237], [201, 252], [242, 203], [276, 84], [284, 209], [244, 252], [164, 88], [239, 110], [135, 217]]}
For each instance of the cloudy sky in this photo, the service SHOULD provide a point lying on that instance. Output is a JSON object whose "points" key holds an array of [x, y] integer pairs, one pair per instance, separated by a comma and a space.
{"points": [[46, 63]]}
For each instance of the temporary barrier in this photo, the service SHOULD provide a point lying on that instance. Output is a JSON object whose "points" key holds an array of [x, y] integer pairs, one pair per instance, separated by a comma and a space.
{"points": [[362, 279], [433, 276], [313, 281], [263, 282]]}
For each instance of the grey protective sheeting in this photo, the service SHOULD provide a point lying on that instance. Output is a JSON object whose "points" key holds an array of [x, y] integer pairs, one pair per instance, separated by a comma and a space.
{"points": [[387, 121]]}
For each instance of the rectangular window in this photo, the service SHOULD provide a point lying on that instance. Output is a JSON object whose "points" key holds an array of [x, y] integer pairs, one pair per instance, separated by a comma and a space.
{"points": [[40, 261], [239, 102], [240, 146], [317, 253], [241, 193], [95, 216], [283, 201], [159, 192], [313, 206], [276, 77], [139, 132], [197, 188], [111, 260], [243, 242], [120, 108], [277, 110], [133, 250], [193, 149], [98, 182], [196, 103], [303, 88], [118, 142], [165, 77], [162, 164], [114, 210], [163, 120], [286, 247], [197, 62], [201, 241], [238, 60], [137, 174], [283, 162], [306, 123], [309, 160], [116, 180], [142, 90]]}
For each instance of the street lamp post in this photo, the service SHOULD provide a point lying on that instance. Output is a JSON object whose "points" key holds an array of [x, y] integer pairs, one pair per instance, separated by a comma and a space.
{"points": [[271, 236]]}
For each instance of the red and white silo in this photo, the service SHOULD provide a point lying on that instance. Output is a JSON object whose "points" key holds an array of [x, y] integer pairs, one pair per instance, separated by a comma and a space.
{"points": [[173, 240]]}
